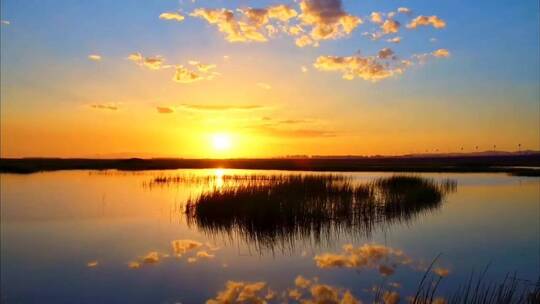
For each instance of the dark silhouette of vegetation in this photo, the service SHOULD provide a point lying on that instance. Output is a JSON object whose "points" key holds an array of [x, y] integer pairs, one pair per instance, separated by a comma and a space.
{"points": [[478, 290], [524, 163], [281, 209]]}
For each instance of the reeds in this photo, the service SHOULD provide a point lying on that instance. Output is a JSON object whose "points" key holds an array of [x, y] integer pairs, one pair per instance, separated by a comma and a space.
{"points": [[478, 290], [280, 209]]}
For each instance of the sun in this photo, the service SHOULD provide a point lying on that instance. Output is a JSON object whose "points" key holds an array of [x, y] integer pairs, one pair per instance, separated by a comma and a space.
{"points": [[221, 142]]}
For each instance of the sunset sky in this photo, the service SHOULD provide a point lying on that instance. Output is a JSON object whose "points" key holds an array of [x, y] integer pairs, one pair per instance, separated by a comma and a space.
{"points": [[229, 78]]}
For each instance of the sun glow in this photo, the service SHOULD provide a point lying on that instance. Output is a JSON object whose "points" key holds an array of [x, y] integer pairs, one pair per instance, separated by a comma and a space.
{"points": [[221, 142]]}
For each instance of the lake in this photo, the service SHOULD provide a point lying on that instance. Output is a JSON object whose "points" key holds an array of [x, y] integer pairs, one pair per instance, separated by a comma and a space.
{"points": [[191, 236]]}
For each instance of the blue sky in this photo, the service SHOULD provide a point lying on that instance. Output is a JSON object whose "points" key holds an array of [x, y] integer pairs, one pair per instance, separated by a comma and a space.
{"points": [[490, 80]]}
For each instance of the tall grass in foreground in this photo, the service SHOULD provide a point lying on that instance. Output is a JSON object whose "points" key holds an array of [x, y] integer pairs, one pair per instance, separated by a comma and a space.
{"points": [[477, 290], [281, 209]]}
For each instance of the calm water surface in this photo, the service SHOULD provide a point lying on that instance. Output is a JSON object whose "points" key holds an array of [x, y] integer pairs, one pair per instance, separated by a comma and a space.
{"points": [[95, 237]]}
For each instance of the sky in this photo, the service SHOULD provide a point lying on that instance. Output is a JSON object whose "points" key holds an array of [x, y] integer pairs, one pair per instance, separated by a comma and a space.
{"points": [[267, 78]]}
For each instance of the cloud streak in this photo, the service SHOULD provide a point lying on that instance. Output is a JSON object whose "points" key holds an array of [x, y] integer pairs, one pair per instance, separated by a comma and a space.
{"points": [[164, 110], [104, 107], [221, 107], [174, 16], [94, 57]]}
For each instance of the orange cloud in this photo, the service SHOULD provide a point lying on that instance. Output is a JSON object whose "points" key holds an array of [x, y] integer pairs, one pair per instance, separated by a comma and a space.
{"points": [[368, 68], [441, 53], [390, 26], [327, 19], [181, 247], [404, 10], [92, 264], [152, 63], [104, 107], [241, 292], [440, 271], [184, 75], [227, 23], [434, 21], [376, 17], [171, 16], [164, 110], [94, 57], [365, 256]]}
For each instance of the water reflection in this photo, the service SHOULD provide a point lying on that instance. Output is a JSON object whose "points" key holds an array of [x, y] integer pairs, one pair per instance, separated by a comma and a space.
{"points": [[192, 250], [303, 290], [279, 210]]}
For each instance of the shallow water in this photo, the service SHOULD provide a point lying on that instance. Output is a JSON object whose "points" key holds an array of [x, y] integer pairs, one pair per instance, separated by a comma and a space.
{"points": [[90, 237]]}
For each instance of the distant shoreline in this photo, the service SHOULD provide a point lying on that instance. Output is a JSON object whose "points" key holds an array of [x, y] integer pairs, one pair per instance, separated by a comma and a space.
{"points": [[516, 164]]}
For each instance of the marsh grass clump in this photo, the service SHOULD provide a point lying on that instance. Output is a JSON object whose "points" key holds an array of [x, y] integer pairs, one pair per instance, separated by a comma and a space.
{"points": [[285, 208]]}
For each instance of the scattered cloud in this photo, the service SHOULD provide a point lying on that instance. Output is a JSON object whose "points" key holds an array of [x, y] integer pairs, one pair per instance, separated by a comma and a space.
{"points": [[376, 17], [151, 258], [442, 272], [385, 53], [366, 256], [295, 294], [221, 107], [94, 57], [242, 292], [229, 24], [404, 10], [247, 24], [390, 26], [390, 297], [264, 86], [171, 16], [164, 110], [304, 69], [104, 107], [259, 292], [152, 62], [281, 12], [134, 265], [305, 40], [184, 75], [441, 53], [5, 22], [201, 67], [302, 282], [205, 255], [394, 40], [92, 264], [365, 67], [181, 247], [434, 21], [327, 19], [135, 57], [323, 19]]}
